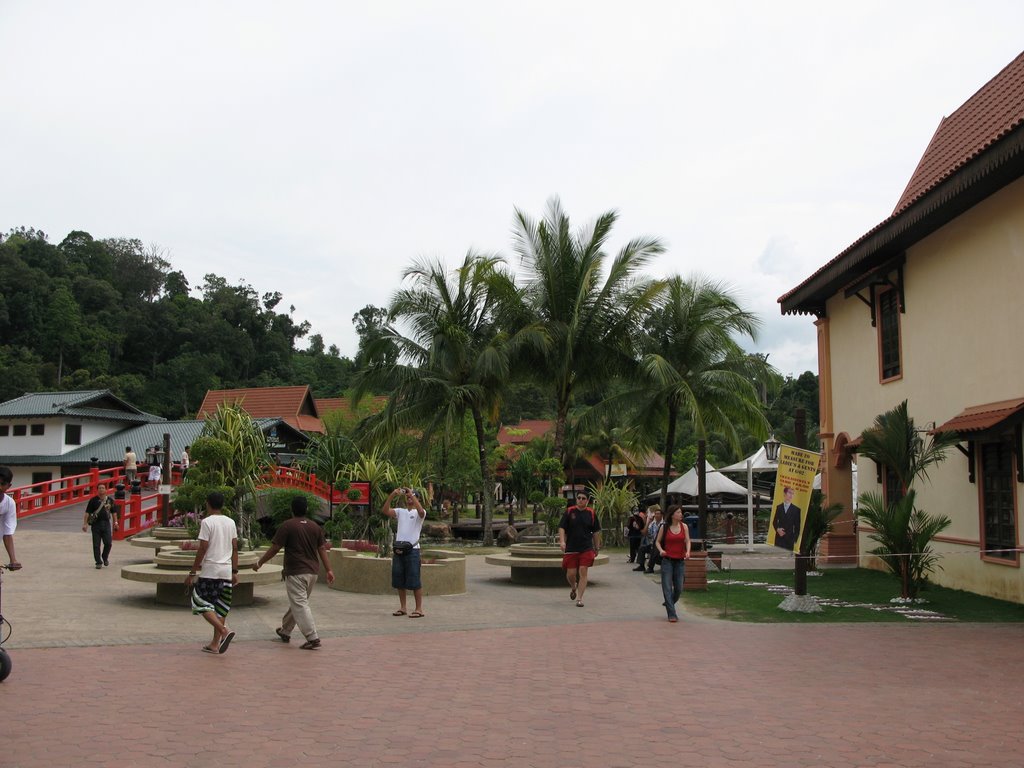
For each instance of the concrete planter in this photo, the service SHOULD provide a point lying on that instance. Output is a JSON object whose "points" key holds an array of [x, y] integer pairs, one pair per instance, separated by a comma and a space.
{"points": [[372, 575]]}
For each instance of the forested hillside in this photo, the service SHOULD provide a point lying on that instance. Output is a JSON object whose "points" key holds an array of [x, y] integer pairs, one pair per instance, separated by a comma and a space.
{"points": [[89, 313]]}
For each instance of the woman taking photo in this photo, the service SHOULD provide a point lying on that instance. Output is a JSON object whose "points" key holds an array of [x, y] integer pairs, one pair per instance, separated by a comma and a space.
{"points": [[673, 544]]}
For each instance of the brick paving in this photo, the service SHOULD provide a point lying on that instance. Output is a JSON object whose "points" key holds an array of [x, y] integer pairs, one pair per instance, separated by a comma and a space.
{"points": [[502, 676]]}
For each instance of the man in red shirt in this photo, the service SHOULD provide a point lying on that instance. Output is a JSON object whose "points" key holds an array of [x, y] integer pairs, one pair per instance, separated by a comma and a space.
{"points": [[579, 537]]}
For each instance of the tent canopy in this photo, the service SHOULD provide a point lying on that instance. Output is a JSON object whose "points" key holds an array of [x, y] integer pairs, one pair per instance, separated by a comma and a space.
{"points": [[759, 463], [716, 483]]}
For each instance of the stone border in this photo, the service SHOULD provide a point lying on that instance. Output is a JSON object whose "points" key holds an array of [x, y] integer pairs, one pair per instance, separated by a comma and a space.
{"points": [[354, 572]]}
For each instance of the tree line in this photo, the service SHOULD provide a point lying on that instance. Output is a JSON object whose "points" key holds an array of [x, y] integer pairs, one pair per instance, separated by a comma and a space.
{"points": [[622, 362]]}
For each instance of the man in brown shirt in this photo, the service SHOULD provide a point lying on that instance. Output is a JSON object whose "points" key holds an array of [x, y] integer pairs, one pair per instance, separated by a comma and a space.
{"points": [[305, 547]]}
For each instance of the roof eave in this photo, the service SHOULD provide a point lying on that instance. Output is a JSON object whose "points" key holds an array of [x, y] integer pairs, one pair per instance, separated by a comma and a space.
{"points": [[998, 166]]}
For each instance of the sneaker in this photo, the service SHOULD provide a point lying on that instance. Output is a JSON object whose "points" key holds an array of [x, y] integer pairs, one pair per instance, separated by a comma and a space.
{"points": [[638, 568], [285, 638], [106, 563], [310, 645], [99, 565]]}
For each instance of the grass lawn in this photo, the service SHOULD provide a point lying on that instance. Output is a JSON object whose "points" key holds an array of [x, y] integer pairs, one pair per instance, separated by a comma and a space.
{"points": [[861, 586]]}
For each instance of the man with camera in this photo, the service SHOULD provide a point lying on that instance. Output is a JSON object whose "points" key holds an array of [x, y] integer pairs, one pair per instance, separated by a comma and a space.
{"points": [[405, 562]]}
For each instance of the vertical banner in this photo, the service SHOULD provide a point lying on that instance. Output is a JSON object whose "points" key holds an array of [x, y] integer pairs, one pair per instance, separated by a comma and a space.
{"points": [[792, 496]]}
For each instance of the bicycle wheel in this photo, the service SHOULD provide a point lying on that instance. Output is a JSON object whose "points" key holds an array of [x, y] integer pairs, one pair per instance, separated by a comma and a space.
{"points": [[5, 665]]}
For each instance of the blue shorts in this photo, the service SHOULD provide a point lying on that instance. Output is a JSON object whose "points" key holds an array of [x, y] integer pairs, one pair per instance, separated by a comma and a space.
{"points": [[405, 571]]}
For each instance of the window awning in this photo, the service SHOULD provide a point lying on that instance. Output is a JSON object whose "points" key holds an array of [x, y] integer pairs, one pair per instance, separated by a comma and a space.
{"points": [[980, 418]]}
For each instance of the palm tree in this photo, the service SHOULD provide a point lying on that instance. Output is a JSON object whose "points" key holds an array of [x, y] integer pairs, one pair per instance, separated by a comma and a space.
{"points": [[903, 531], [693, 368], [895, 443], [454, 358], [579, 322]]}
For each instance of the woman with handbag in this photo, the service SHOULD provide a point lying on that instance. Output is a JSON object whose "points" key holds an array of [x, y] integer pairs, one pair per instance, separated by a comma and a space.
{"points": [[100, 515], [405, 562]]}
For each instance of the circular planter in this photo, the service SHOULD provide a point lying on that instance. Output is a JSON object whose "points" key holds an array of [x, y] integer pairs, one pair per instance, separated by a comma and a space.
{"points": [[443, 572], [536, 565]]}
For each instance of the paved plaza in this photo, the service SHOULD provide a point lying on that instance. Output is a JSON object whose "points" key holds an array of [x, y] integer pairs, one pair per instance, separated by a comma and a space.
{"points": [[504, 675]]}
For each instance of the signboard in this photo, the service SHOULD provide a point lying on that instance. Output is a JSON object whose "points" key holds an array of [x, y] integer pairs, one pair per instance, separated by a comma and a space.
{"points": [[792, 496]]}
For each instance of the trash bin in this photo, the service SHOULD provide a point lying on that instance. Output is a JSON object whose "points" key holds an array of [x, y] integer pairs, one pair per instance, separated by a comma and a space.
{"points": [[693, 523]]}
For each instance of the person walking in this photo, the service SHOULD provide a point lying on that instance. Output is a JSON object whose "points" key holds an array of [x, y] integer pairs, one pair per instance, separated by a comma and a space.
{"points": [[101, 514], [647, 556], [131, 466], [673, 545], [405, 560], [216, 564], [184, 461], [8, 517], [305, 547], [579, 537], [635, 533]]}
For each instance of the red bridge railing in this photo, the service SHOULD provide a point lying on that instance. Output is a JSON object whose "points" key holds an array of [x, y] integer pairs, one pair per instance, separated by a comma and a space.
{"points": [[142, 511]]}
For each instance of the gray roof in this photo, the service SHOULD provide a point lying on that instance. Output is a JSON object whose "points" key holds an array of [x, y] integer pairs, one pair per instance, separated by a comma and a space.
{"points": [[110, 449], [91, 404]]}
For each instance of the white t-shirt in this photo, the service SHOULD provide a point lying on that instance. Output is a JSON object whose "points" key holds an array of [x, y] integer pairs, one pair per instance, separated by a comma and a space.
{"points": [[409, 525], [8, 516], [184, 459], [219, 531]]}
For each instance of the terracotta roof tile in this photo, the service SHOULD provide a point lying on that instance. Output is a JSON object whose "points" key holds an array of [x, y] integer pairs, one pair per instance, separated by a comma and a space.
{"points": [[293, 405], [978, 418], [991, 113]]}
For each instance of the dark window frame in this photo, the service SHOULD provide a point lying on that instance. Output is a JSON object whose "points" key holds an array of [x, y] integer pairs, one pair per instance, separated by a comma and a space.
{"points": [[5, 430], [37, 430], [890, 342], [67, 434], [998, 519], [20, 430]]}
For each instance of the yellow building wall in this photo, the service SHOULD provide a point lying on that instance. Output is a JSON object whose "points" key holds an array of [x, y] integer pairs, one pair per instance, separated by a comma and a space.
{"points": [[961, 345]]}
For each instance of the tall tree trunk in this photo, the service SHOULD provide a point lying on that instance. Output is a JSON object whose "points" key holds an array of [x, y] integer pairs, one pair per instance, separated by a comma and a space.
{"points": [[670, 445], [487, 481]]}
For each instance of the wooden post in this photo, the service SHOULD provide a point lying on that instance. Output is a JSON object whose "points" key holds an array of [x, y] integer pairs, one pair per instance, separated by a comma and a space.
{"points": [[702, 492], [165, 480], [800, 437]]}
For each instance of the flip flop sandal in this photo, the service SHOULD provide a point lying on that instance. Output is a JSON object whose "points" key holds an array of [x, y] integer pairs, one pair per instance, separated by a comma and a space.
{"points": [[208, 649], [416, 615], [572, 595], [579, 603], [226, 642], [399, 612]]}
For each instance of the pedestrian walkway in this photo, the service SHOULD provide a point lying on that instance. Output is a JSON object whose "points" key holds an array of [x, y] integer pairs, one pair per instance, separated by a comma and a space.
{"points": [[504, 675]]}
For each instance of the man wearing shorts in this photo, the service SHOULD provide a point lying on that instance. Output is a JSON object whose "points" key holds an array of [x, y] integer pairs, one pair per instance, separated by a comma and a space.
{"points": [[217, 566], [8, 517], [405, 568], [579, 536]]}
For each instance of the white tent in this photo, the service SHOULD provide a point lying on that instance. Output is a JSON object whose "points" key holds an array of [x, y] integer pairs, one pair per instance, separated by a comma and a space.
{"points": [[759, 463], [716, 483]]}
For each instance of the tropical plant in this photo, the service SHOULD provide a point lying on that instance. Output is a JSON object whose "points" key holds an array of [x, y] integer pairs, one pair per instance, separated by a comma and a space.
{"points": [[454, 359], [693, 368], [327, 456], [904, 534], [895, 443], [581, 313], [554, 507], [817, 523], [612, 503], [231, 456]]}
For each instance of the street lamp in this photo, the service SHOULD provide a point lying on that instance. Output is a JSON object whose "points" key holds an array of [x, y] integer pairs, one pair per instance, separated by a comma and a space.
{"points": [[771, 449]]}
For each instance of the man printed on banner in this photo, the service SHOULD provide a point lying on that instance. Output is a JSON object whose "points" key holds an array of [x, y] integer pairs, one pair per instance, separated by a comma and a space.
{"points": [[793, 485]]}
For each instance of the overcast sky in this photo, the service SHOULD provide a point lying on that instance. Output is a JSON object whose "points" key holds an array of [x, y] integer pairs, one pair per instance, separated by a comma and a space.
{"points": [[318, 148]]}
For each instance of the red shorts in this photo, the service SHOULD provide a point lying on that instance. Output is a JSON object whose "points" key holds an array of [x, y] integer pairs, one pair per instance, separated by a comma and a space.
{"points": [[575, 560]]}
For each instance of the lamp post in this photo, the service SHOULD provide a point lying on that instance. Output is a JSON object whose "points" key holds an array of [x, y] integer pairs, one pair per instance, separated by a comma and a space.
{"points": [[771, 449]]}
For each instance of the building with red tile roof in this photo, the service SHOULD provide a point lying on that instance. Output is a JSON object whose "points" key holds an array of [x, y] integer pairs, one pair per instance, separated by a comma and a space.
{"points": [[925, 307], [293, 405]]}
